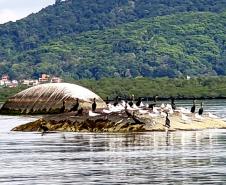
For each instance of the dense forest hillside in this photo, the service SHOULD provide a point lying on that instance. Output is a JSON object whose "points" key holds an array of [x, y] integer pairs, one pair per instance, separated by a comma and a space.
{"points": [[121, 38]]}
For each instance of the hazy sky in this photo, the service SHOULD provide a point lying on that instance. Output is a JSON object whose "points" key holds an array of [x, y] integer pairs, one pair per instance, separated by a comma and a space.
{"points": [[11, 10]]}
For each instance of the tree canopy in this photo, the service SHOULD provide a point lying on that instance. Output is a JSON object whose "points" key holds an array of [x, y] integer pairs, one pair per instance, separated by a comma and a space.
{"points": [[117, 38]]}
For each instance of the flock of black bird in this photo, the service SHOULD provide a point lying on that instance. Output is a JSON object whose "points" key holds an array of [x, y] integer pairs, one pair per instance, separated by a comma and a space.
{"points": [[200, 111], [79, 110]]}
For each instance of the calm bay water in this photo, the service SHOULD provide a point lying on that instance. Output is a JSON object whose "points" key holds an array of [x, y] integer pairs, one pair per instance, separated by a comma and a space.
{"points": [[197, 157]]}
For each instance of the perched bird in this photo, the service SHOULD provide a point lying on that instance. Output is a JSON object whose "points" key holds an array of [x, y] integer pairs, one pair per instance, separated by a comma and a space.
{"points": [[163, 114], [44, 128], [212, 115], [62, 109], [153, 115], [193, 107], [167, 121], [127, 112], [173, 105], [79, 112], [107, 101], [138, 102], [136, 120], [143, 111], [163, 106], [184, 110], [151, 106], [116, 101], [155, 98], [131, 102], [106, 111], [94, 105], [92, 114], [200, 109], [76, 106]]}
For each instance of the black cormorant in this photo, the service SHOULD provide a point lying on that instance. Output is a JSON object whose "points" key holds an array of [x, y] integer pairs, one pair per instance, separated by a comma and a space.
{"points": [[151, 106], [167, 121], [62, 109], [44, 128], [79, 112], [173, 105], [155, 98], [107, 101], [127, 112], [138, 102], [131, 102], [75, 106], [193, 107], [116, 101], [200, 109], [94, 105], [136, 120]]}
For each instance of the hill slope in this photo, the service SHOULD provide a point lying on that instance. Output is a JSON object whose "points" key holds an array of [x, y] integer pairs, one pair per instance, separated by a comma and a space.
{"points": [[92, 39]]}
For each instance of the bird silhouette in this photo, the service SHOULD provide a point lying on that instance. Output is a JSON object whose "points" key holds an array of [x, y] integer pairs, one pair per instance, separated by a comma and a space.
{"points": [[94, 105], [138, 102], [76, 105], [131, 102], [136, 120], [151, 106], [167, 121], [62, 109], [116, 101], [200, 109], [127, 112], [155, 98], [107, 101], [173, 105], [193, 107], [44, 128], [79, 112]]}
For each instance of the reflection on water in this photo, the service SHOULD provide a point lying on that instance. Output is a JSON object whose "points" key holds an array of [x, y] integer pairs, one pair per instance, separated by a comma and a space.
{"points": [[87, 158], [176, 157]]}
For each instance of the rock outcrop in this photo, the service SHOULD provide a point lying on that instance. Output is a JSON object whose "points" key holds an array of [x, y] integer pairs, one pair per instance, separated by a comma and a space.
{"points": [[116, 122]]}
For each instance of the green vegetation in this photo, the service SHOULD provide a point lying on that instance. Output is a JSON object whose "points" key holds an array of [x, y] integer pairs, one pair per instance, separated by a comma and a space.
{"points": [[93, 39], [208, 87], [203, 87], [6, 92]]}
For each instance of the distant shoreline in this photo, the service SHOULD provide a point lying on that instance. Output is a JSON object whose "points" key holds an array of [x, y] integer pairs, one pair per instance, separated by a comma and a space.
{"points": [[176, 98], [164, 88]]}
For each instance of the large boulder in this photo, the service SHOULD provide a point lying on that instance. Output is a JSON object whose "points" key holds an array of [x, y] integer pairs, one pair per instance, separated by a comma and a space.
{"points": [[49, 98]]}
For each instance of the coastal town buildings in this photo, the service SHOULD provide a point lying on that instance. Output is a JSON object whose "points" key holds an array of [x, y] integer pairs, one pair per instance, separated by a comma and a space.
{"points": [[6, 82], [30, 82], [56, 80]]}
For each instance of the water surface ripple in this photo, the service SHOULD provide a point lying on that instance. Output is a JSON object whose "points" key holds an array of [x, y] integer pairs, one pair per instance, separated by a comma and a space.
{"points": [[197, 157]]}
